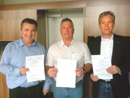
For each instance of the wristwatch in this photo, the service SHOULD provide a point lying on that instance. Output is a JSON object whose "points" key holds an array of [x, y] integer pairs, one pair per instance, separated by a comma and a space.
{"points": [[84, 71]]}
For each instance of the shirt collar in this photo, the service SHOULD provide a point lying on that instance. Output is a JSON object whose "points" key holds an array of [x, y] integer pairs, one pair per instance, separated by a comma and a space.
{"points": [[62, 44], [102, 39], [21, 43]]}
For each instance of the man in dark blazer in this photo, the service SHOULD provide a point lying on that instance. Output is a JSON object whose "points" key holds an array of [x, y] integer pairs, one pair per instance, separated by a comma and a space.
{"points": [[117, 48]]}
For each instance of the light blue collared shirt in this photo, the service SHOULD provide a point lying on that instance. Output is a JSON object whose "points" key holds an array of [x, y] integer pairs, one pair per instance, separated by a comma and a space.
{"points": [[14, 57]]}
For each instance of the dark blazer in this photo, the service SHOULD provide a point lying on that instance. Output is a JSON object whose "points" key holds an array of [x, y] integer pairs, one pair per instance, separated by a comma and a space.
{"points": [[120, 58]]}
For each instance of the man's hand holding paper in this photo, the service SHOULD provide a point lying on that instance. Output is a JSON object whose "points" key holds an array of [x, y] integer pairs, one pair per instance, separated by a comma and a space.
{"points": [[52, 72], [66, 76], [79, 72], [35, 64], [113, 69], [100, 65]]}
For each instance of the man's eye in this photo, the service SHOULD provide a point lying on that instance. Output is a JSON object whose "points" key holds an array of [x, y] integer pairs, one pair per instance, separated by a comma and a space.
{"points": [[63, 27], [26, 29], [102, 22], [33, 30], [69, 27], [110, 22]]}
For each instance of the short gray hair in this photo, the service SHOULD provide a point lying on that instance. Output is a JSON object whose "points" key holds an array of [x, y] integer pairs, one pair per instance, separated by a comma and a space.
{"points": [[67, 19]]}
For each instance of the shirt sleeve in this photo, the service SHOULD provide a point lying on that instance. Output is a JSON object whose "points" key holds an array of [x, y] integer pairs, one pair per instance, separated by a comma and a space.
{"points": [[48, 82], [49, 59], [5, 66], [87, 54]]}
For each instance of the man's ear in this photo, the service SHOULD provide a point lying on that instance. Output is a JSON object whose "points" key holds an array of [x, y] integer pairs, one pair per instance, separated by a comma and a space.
{"points": [[73, 31], [99, 26], [114, 24], [20, 30]]}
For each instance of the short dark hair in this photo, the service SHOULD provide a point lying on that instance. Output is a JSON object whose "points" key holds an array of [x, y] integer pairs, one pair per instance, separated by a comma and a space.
{"points": [[30, 21], [67, 19], [106, 13]]}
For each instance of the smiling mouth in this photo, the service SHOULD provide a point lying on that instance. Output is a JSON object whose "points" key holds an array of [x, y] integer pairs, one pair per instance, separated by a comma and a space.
{"points": [[67, 32], [29, 36], [106, 29]]}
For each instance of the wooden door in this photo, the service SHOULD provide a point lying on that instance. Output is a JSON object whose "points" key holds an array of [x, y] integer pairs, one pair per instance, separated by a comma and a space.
{"points": [[4, 91]]}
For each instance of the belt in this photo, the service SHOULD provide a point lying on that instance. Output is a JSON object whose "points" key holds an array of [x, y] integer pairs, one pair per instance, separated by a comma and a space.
{"points": [[107, 82], [31, 87]]}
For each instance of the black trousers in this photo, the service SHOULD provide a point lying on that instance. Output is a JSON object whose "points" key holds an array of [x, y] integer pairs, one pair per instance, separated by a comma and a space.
{"points": [[29, 92]]}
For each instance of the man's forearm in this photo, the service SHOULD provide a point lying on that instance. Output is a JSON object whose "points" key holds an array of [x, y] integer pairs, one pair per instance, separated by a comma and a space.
{"points": [[87, 67]]}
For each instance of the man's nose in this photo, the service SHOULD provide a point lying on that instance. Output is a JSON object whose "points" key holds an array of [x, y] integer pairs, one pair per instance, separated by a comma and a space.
{"points": [[30, 32], [106, 24]]}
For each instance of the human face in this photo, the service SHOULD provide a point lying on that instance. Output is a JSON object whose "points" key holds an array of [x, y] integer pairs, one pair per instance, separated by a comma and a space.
{"points": [[106, 25], [67, 30], [28, 32]]}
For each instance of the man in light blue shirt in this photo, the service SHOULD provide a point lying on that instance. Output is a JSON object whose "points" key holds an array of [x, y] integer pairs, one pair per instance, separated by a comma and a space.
{"points": [[13, 63]]}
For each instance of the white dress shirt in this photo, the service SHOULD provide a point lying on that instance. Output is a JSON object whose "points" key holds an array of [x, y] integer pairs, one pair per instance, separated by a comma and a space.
{"points": [[76, 51], [106, 46]]}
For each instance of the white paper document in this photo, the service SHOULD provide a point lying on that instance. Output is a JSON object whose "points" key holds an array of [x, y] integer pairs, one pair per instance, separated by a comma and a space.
{"points": [[35, 64], [66, 76], [100, 64]]}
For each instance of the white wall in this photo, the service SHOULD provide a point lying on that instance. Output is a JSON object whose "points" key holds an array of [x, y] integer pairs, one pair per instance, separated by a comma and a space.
{"points": [[53, 31]]}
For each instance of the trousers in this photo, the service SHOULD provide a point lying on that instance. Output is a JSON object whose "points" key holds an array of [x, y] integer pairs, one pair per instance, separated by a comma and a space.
{"points": [[63, 92], [105, 90], [29, 92]]}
